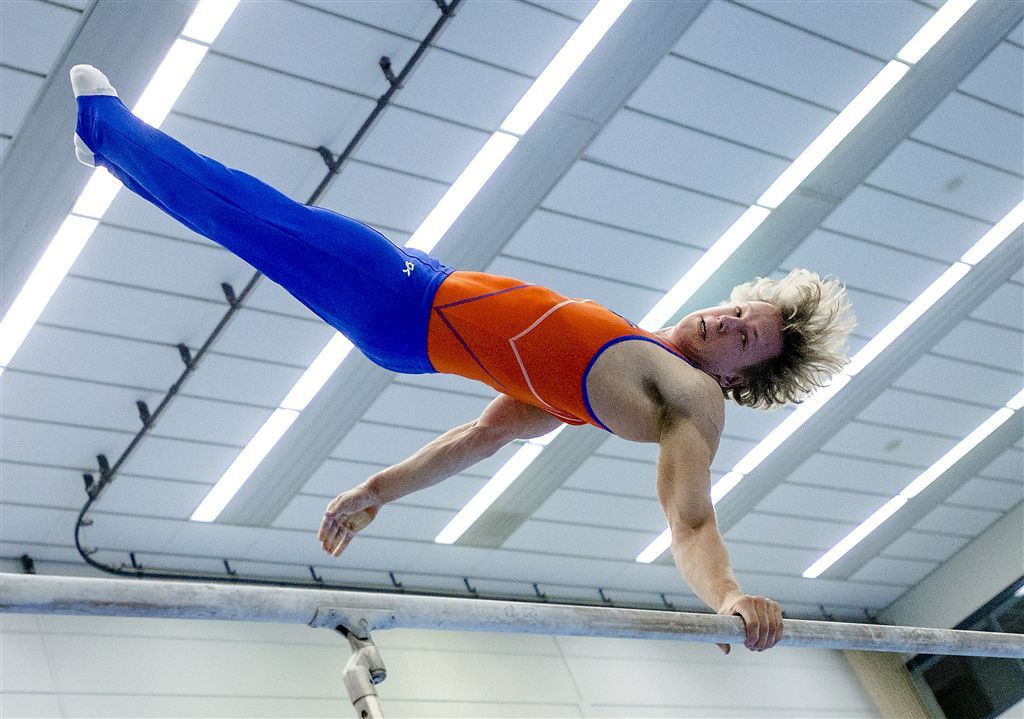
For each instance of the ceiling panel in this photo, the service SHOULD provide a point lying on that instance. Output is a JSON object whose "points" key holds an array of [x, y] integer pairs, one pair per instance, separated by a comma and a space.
{"points": [[948, 181], [33, 33], [729, 107], [973, 128], [894, 571], [400, 17], [1008, 465], [20, 89], [641, 206], [958, 520], [767, 51], [914, 411], [962, 381], [854, 473], [988, 494], [904, 223], [889, 443], [996, 78], [993, 345], [652, 148], [599, 249], [926, 545], [1003, 307], [878, 29], [893, 273], [788, 531], [223, 88], [818, 503]]}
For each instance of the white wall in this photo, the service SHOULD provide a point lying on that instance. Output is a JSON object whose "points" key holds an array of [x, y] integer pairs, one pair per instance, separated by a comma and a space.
{"points": [[971, 577], [54, 666]]}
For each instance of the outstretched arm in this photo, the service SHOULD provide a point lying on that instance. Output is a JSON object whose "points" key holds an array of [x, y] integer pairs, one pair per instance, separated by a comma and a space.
{"points": [[504, 420], [684, 488]]}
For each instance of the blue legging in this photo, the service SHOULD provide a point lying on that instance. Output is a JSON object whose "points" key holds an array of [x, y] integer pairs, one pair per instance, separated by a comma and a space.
{"points": [[377, 294]]}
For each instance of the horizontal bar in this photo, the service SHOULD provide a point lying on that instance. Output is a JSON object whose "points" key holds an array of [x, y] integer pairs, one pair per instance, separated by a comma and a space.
{"points": [[363, 612]]}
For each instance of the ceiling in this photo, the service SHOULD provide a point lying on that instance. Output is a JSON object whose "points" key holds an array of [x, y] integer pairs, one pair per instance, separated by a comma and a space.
{"points": [[612, 196]]}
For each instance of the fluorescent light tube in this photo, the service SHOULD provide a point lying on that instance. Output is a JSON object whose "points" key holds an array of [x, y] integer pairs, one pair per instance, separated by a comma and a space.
{"points": [[483, 499], [208, 19], [317, 374], [994, 237], [725, 485], [854, 538], [244, 465], [99, 192], [703, 268], [1017, 402], [656, 548], [907, 317], [169, 81], [49, 272], [462, 191], [562, 67], [832, 135], [933, 30]]}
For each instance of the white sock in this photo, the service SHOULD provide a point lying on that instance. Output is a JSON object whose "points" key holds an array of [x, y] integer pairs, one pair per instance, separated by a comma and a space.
{"points": [[87, 80]]}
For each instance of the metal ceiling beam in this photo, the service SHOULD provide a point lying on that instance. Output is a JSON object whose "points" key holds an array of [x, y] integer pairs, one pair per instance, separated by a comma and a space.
{"points": [[643, 35], [40, 179], [924, 86]]}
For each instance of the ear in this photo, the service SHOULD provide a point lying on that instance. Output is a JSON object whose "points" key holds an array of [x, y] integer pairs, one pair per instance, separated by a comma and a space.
{"points": [[730, 381]]}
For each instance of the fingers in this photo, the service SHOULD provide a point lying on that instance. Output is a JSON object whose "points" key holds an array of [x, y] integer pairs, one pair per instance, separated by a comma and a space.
{"points": [[762, 620]]}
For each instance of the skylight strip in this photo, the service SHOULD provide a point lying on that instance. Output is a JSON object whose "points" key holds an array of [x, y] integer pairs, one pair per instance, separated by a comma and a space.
{"points": [[245, 463], [932, 31], [564, 65], [763, 449], [837, 130], [49, 272], [155, 102], [922, 481], [440, 219]]}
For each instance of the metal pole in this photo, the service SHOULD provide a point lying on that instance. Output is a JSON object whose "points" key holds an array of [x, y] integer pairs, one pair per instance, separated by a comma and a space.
{"points": [[361, 612]]}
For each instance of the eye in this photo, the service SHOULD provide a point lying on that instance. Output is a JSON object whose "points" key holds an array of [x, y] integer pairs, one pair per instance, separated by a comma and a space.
{"points": [[739, 312]]}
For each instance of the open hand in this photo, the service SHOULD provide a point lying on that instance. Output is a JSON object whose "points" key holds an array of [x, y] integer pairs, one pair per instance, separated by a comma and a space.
{"points": [[346, 514], [762, 618]]}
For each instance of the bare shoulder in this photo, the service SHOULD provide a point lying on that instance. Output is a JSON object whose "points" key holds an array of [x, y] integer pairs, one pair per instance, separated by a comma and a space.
{"points": [[694, 398]]}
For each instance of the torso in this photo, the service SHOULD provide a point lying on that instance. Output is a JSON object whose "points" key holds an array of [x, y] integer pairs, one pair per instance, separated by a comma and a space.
{"points": [[572, 358]]}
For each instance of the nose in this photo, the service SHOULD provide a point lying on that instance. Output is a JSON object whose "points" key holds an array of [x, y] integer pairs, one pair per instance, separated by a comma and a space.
{"points": [[729, 322]]}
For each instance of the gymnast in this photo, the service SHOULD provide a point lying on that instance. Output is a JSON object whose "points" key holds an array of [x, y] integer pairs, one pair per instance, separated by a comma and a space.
{"points": [[552, 359]]}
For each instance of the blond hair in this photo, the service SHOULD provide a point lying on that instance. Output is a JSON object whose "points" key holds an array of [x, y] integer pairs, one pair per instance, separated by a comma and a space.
{"points": [[816, 321]]}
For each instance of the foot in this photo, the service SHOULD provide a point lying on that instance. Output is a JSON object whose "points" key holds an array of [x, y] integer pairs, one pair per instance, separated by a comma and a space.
{"points": [[87, 80]]}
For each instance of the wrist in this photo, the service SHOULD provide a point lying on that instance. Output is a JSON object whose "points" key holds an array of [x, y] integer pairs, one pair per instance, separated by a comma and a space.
{"points": [[729, 599]]}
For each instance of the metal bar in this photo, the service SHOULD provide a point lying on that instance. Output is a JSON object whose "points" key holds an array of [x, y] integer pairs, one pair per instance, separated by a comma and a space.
{"points": [[362, 612]]}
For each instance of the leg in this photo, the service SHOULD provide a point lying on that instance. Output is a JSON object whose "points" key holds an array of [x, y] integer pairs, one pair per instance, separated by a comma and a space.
{"points": [[347, 273]]}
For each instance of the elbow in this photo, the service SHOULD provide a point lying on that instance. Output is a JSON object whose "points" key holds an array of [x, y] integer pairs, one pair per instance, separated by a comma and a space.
{"points": [[487, 438]]}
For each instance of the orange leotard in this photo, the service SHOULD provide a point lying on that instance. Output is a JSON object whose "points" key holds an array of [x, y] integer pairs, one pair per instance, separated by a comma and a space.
{"points": [[525, 340]]}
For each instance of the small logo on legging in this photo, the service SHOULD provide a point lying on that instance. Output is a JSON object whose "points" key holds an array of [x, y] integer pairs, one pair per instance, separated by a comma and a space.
{"points": [[409, 267]]}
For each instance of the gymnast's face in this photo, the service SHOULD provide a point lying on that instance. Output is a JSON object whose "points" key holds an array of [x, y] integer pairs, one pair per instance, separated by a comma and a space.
{"points": [[723, 341]]}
